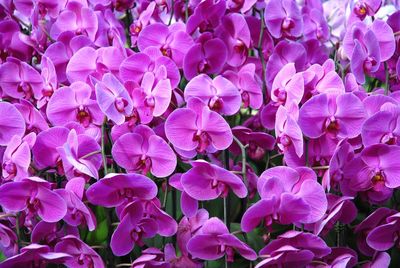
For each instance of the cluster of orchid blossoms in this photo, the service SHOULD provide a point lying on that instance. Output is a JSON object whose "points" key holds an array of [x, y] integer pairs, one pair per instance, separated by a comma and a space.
{"points": [[213, 133]]}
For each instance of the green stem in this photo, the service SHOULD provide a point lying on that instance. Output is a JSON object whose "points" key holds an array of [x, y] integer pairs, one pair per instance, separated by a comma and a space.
{"points": [[386, 79], [103, 145], [186, 10], [243, 151], [17, 230], [172, 12], [91, 153], [165, 196]]}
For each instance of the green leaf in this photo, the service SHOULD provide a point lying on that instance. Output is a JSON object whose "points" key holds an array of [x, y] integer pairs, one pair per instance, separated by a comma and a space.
{"points": [[99, 235], [2, 256]]}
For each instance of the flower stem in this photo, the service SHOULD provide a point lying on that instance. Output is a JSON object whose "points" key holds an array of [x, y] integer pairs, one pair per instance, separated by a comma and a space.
{"points": [[186, 10], [226, 199], [172, 13], [103, 145], [386, 79], [243, 151]]}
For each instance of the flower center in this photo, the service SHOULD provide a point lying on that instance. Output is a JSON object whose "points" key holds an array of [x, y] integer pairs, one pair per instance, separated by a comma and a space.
{"points": [[203, 139], [216, 104], [83, 116], [287, 24], [10, 168], [389, 139], [369, 63], [120, 104], [360, 9], [332, 125], [26, 89]]}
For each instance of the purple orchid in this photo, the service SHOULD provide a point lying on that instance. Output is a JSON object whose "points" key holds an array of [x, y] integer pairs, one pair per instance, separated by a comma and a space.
{"points": [[283, 18], [288, 86], [197, 128], [235, 33], [365, 60], [340, 209], [357, 33], [374, 170], [315, 25], [144, 151], [151, 257], [135, 225], [206, 181], [117, 189], [377, 218], [248, 84], [287, 130], [141, 22], [287, 196], [82, 254], [219, 93], [11, 123], [293, 248], [77, 212], [74, 103], [363, 8], [382, 127], [17, 157], [322, 79], [152, 97], [75, 18], [151, 60], [35, 255], [173, 41], [258, 142], [20, 80], [8, 241], [384, 236], [45, 153], [109, 29], [88, 61], [214, 241], [50, 233], [33, 195], [285, 52], [206, 15], [208, 55], [61, 51], [34, 119], [113, 99], [80, 155], [189, 227], [341, 116], [189, 205]]}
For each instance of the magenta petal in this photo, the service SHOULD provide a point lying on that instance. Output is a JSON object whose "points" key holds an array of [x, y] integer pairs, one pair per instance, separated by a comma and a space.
{"points": [[82, 64], [382, 237], [127, 150], [243, 249], [163, 159], [114, 189], [52, 206], [312, 116], [205, 247], [189, 205], [256, 213], [180, 128], [11, 123], [14, 195], [351, 113]]}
